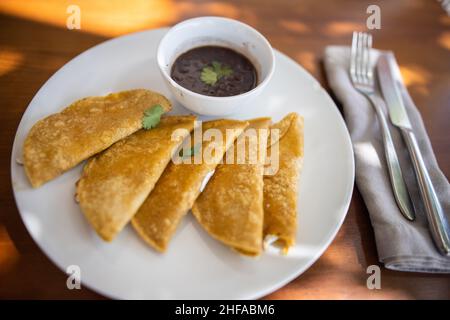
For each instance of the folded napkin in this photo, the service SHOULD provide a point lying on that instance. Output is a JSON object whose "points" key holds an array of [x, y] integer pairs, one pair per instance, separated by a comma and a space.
{"points": [[402, 245]]}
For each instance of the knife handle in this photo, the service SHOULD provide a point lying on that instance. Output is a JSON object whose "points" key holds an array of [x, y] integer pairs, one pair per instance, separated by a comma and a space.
{"points": [[439, 227], [399, 189]]}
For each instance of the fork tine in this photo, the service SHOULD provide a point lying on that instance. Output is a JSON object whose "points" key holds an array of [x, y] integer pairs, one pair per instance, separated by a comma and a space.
{"points": [[353, 57], [359, 55], [356, 57], [369, 66], [367, 47], [365, 61]]}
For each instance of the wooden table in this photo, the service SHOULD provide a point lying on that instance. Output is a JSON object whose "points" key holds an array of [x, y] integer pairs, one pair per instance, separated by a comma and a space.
{"points": [[34, 43]]}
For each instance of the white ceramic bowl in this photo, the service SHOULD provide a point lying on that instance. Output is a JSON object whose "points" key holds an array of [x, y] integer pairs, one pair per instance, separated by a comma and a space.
{"points": [[220, 32]]}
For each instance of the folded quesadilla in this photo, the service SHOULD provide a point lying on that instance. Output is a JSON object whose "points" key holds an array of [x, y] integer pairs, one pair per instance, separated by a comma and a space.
{"points": [[280, 189], [60, 141], [115, 183], [230, 208], [179, 186]]}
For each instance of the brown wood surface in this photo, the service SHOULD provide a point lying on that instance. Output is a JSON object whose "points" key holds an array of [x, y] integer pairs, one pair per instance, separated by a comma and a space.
{"points": [[34, 43]]}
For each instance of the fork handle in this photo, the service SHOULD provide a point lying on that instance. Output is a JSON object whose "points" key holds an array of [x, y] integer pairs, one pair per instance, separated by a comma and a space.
{"points": [[399, 189], [439, 228]]}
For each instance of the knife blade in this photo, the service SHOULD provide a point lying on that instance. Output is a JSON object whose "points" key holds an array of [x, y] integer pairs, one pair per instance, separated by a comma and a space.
{"points": [[392, 87], [390, 82]]}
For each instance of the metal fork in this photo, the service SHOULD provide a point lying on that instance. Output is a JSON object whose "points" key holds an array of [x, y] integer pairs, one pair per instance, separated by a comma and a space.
{"points": [[361, 73]]}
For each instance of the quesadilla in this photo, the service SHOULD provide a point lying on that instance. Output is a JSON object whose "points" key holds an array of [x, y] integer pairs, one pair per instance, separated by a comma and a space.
{"points": [[60, 141], [116, 182], [179, 186], [230, 208], [280, 189]]}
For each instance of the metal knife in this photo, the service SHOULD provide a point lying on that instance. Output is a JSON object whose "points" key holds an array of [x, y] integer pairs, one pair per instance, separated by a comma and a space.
{"points": [[392, 86]]}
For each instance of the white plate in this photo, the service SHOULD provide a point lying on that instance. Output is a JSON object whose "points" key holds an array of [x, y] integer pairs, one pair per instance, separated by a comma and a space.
{"points": [[195, 266]]}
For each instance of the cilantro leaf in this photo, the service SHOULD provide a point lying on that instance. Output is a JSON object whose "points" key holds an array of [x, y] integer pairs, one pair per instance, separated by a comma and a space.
{"points": [[191, 152], [211, 74], [152, 116], [222, 71]]}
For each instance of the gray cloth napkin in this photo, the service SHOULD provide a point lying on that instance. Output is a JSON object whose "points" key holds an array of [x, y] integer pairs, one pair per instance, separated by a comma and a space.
{"points": [[402, 245]]}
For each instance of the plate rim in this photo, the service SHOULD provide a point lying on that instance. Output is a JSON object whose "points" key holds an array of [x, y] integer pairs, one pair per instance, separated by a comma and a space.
{"points": [[258, 294]]}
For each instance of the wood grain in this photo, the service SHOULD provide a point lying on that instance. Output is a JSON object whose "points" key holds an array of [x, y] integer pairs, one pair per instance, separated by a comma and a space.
{"points": [[34, 43]]}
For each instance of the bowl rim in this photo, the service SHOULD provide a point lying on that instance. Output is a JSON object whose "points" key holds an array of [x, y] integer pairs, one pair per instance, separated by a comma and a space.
{"points": [[258, 87]]}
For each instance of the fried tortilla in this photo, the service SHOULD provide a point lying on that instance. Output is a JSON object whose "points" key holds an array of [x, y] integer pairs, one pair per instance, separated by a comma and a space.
{"points": [[116, 182], [60, 141], [179, 186], [280, 189], [230, 208]]}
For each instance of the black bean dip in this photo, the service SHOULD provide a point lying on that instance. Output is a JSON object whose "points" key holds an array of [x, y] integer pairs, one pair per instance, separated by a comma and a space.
{"points": [[214, 71]]}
